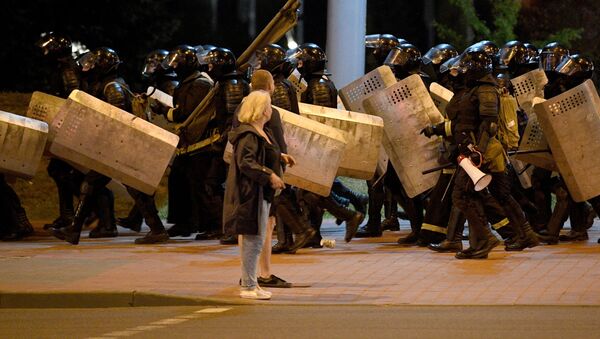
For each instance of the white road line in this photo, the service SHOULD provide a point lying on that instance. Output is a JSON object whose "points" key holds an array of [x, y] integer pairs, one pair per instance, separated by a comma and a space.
{"points": [[162, 323], [214, 310], [171, 321]]}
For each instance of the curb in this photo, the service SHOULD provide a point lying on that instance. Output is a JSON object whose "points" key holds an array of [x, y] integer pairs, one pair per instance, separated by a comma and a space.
{"points": [[99, 300]]}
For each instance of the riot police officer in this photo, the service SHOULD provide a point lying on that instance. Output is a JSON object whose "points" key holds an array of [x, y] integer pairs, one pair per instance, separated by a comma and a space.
{"points": [[311, 60], [220, 64], [63, 77], [154, 75], [185, 186], [101, 66]]}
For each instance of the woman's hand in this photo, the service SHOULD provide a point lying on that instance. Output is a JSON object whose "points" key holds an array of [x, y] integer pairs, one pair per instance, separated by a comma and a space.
{"points": [[288, 159], [276, 182]]}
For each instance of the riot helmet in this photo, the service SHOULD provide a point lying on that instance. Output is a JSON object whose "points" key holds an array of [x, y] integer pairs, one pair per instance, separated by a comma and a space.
{"points": [[153, 62], [308, 57], [54, 45], [513, 55], [473, 64], [182, 60], [576, 67], [490, 48], [503, 80], [382, 44], [218, 62], [438, 54], [269, 58], [100, 61], [404, 60], [552, 54], [533, 56], [435, 57]]}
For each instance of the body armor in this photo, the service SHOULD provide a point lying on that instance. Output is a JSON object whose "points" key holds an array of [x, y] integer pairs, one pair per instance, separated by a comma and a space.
{"points": [[284, 95], [188, 94], [320, 91]]}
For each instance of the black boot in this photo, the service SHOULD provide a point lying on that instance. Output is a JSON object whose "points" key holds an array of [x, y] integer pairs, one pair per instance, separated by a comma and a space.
{"points": [[23, 227], [353, 219], [370, 230], [527, 238], [133, 221], [453, 241], [106, 227]]}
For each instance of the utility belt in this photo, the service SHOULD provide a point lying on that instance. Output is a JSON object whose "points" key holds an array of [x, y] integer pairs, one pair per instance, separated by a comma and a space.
{"points": [[214, 137]]}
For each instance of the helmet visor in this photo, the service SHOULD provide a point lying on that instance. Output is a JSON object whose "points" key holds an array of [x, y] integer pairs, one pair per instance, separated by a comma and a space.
{"points": [[506, 55], [87, 62], [171, 61], [372, 40], [449, 65], [549, 61], [568, 67]]}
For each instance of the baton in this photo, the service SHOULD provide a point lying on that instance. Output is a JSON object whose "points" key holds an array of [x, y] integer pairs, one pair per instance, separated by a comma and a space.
{"points": [[529, 151], [439, 168]]}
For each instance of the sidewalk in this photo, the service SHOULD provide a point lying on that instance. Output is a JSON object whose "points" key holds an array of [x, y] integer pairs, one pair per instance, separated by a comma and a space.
{"points": [[43, 272]]}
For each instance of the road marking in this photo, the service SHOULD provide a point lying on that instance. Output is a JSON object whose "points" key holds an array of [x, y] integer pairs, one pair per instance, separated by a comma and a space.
{"points": [[146, 328], [162, 323], [171, 321], [214, 310], [125, 333]]}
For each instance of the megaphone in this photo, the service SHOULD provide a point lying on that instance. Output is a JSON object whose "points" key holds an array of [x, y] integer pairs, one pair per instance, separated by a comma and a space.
{"points": [[480, 179]]}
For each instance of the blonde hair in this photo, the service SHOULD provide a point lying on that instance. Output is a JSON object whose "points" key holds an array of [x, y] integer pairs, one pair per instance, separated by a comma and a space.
{"points": [[253, 106], [261, 80]]}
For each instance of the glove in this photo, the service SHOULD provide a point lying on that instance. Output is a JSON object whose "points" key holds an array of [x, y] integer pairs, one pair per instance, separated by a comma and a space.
{"points": [[428, 131]]}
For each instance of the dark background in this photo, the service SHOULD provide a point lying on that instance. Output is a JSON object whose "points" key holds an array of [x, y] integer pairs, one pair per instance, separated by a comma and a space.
{"points": [[135, 27]]}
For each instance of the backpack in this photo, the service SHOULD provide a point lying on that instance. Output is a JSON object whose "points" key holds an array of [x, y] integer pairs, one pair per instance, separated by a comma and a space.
{"points": [[508, 123]]}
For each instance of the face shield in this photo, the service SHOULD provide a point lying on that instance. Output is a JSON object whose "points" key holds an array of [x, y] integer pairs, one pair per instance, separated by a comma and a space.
{"points": [[451, 66], [171, 61], [549, 61], [506, 54], [433, 56], [568, 67], [87, 61], [373, 40]]}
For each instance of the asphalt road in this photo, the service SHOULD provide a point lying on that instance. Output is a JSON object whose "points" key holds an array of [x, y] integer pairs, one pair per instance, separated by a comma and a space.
{"points": [[265, 321]]}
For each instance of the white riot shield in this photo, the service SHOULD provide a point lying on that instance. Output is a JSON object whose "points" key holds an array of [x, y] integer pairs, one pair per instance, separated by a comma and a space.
{"points": [[317, 148], [45, 107], [354, 93], [22, 142], [106, 139], [441, 96], [528, 86], [407, 108], [533, 139], [299, 84], [571, 122], [364, 135]]}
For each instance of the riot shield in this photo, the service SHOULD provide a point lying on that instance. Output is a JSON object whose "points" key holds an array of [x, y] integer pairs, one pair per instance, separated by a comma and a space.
{"points": [[571, 122], [357, 91], [364, 134], [108, 140], [407, 108], [318, 150], [45, 107], [441, 96], [528, 86], [533, 139], [22, 142]]}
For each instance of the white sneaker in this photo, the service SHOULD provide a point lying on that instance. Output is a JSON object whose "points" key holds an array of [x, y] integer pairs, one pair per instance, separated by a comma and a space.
{"points": [[257, 294]]}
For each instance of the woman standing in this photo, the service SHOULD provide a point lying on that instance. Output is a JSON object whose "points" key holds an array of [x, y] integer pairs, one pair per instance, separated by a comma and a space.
{"points": [[253, 178]]}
